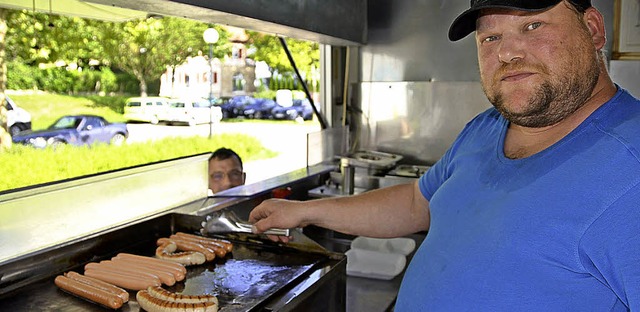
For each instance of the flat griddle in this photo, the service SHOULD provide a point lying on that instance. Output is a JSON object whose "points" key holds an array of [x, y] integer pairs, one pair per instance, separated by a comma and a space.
{"points": [[245, 280]]}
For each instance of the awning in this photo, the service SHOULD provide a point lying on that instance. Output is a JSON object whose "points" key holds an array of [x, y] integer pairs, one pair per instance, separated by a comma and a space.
{"points": [[75, 8]]}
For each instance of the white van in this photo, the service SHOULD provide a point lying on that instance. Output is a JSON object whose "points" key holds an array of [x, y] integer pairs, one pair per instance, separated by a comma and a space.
{"points": [[192, 112], [146, 109], [18, 119]]}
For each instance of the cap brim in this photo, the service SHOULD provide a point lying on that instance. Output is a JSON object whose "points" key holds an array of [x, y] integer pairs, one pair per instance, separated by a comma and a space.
{"points": [[465, 23]]}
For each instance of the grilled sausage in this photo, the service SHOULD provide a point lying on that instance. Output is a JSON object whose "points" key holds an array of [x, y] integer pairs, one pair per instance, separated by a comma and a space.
{"points": [[161, 293], [123, 269], [177, 273], [126, 281], [165, 276], [185, 245], [218, 249], [153, 304], [167, 252], [227, 244], [123, 294], [154, 260], [88, 292]]}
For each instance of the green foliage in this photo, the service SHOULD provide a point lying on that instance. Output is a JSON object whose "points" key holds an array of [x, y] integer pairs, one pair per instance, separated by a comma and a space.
{"points": [[34, 166], [59, 79], [265, 94], [21, 76], [306, 54]]}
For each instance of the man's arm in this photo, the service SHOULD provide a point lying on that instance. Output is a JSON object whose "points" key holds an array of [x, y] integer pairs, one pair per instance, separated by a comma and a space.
{"points": [[389, 212]]}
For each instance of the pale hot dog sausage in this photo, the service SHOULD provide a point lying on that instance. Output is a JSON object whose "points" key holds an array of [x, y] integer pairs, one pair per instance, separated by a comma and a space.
{"points": [[155, 260], [88, 292], [176, 273], [165, 277], [123, 294], [126, 281]]}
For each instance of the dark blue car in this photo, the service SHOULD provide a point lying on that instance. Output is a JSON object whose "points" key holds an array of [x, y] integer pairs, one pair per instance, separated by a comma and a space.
{"points": [[259, 109], [234, 107], [75, 130], [300, 108]]}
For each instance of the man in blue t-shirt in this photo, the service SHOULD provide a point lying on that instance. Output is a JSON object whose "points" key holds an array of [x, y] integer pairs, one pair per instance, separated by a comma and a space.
{"points": [[536, 205]]}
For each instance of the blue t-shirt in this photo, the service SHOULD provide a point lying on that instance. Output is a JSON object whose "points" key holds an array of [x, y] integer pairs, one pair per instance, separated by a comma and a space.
{"points": [[556, 231]]}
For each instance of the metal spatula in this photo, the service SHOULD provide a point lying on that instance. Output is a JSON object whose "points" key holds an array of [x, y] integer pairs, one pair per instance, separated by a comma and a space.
{"points": [[224, 221]]}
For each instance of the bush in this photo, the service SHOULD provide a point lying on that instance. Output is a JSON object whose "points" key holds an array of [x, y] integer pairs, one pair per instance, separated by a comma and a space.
{"points": [[21, 76]]}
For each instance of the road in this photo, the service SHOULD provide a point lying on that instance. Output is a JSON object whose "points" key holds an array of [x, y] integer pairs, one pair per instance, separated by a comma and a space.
{"points": [[287, 138]]}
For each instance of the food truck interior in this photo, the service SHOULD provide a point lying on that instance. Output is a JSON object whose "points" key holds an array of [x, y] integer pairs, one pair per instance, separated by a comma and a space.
{"points": [[394, 95]]}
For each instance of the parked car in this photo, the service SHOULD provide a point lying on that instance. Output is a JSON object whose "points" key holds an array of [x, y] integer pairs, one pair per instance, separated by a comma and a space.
{"points": [[191, 112], [299, 108], [259, 109], [234, 107], [18, 119], [145, 109], [304, 109], [75, 130]]}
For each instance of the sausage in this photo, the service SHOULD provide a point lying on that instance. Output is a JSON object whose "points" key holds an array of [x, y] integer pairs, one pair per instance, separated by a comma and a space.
{"points": [[165, 276], [177, 273], [123, 294], [185, 257], [127, 270], [88, 292], [227, 244], [154, 260], [126, 281], [153, 304], [188, 246], [161, 293], [217, 248]]}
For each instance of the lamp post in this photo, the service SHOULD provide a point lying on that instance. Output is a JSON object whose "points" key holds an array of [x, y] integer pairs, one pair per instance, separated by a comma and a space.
{"points": [[210, 36]]}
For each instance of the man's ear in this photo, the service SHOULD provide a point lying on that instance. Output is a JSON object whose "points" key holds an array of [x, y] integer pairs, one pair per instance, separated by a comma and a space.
{"points": [[595, 23]]}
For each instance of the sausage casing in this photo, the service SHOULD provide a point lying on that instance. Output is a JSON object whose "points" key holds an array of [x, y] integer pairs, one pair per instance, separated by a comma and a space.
{"points": [[166, 252], [217, 248], [122, 269], [126, 281], [123, 294], [155, 260], [176, 272], [153, 304], [227, 244], [185, 245], [161, 293], [89, 292], [165, 277]]}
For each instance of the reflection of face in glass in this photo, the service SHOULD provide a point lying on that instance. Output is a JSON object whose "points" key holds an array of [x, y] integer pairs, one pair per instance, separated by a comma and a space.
{"points": [[225, 174]]}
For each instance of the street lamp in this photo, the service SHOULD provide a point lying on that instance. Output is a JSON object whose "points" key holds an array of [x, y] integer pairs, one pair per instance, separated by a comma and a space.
{"points": [[210, 36]]}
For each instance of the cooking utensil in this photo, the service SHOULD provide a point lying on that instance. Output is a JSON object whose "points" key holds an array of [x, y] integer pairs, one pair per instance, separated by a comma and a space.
{"points": [[224, 221]]}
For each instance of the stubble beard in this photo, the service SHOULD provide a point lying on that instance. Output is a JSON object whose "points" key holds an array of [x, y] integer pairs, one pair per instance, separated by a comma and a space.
{"points": [[554, 99]]}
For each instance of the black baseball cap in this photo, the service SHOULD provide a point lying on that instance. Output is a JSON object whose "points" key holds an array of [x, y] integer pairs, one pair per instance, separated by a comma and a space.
{"points": [[465, 23]]}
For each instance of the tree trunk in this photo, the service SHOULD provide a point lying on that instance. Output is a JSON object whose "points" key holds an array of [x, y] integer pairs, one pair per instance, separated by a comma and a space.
{"points": [[5, 137], [143, 86]]}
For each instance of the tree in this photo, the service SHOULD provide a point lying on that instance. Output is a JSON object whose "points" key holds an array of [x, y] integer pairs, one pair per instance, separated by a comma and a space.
{"points": [[145, 48], [268, 48]]}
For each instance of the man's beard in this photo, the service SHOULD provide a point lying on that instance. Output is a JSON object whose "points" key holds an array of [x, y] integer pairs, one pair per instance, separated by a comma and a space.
{"points": [[554, 99]]}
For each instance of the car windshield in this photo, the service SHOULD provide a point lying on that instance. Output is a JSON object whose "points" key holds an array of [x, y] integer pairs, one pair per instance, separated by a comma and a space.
{"points": [[67, 122]]}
